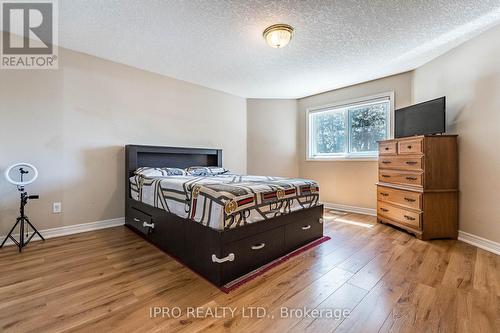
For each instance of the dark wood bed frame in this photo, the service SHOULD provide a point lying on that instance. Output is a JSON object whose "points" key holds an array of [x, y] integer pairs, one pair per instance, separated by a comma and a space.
{"points": [[219, 256]]}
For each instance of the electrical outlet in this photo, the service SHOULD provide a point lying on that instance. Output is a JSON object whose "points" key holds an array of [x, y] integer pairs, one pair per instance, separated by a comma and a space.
{"points": [[56, 207]]}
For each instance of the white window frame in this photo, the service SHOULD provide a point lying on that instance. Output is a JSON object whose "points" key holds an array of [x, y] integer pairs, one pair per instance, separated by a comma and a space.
{"points": [[349, 103]]}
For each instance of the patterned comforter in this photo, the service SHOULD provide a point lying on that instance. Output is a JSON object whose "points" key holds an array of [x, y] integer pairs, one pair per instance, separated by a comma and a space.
{"points": [[225, 201]]}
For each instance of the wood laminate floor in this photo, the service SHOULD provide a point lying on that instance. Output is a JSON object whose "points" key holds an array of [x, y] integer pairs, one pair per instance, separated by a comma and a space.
{"points": [[109, 280]]}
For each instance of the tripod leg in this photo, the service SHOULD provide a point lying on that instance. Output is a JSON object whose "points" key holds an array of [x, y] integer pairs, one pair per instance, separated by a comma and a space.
{"points": [[21, 235], [34, 229], [10, 233]]}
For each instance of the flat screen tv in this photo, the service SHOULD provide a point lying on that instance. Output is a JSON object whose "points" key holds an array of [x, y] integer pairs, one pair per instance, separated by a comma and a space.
{"points": [[419, 119]]}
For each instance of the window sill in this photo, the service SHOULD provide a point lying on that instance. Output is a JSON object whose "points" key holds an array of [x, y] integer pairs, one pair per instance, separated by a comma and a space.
{"points": [[343, 159]]}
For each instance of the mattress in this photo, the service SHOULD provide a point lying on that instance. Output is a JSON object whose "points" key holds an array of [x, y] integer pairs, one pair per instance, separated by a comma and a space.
{"points": [[225, 201]]}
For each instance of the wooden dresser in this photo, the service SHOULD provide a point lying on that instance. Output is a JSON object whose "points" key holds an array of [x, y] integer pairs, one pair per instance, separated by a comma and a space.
{"points": [[418, 185]]}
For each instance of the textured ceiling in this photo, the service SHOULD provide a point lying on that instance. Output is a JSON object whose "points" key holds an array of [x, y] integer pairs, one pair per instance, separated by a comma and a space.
{"points": [[219, 44]]}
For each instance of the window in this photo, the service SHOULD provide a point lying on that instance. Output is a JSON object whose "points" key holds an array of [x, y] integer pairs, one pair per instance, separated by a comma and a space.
{"points": [[349, 130]]}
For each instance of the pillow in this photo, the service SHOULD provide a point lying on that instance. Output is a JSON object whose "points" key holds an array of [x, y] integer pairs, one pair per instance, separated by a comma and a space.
{"points": [[218, 170], [159, 172], [205, 171]]}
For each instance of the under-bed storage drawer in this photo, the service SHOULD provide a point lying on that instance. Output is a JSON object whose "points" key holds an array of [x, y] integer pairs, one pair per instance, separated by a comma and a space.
{"points": [[251, 253], [139, 220], [301, 233], [170, 237]]}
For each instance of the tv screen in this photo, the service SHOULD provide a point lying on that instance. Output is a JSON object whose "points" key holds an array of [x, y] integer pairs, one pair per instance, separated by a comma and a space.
{"points": [[419, 119]]}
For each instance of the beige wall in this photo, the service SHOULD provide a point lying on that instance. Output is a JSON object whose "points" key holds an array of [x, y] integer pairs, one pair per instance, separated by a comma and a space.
{"points": [[73, 124], [272, 137], [469, 77], [348, 182]]}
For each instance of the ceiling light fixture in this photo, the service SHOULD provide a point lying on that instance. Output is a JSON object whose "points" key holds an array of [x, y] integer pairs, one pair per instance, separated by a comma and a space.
{"points": [[278, 35]]}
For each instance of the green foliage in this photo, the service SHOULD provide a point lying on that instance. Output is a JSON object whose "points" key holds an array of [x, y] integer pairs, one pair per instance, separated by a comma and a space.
{"points": [[367, 123], [330, 133]]}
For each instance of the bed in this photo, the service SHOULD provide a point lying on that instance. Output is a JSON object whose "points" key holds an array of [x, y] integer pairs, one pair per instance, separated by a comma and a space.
{"points": [[221, 226]]}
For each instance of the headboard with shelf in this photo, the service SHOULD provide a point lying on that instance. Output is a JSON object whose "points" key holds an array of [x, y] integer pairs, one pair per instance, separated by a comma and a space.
{"points": [[174, 157]]}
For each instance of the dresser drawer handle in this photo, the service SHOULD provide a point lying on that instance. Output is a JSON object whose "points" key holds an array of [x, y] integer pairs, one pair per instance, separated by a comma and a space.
{"points": [[409, 218], [136, 219], [411, 162], [411, 178], [148, 225], [409, 147], [410, 199], [386, 148], [230, 257], [259, 246], [384, 194], [386, 162], [386, 176], [384, 209], [306, 227]]}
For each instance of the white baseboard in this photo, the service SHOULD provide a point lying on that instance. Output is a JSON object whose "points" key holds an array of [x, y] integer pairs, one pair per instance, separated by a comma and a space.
{"points": [[471, 239], [72, 229], [480, 242], [351, 209]]}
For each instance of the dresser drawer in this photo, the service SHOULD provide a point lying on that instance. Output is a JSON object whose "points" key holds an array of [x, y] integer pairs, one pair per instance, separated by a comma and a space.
{"points": [[411, 146], [401, 177], [401, 162], [387, 148], [407, 217], [137, 219], [404, 198], [252, 252]]}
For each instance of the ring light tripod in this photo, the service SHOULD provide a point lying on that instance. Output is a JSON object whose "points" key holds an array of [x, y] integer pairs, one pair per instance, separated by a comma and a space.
{"points": [[23, 221]]}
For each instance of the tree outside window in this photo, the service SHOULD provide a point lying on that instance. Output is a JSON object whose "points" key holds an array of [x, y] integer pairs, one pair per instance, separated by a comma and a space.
{"points": [[349, 131]]}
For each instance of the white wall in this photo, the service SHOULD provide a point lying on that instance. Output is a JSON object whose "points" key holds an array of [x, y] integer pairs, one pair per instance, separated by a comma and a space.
{"points": [[73, 124], [469, 77], [272, 137]]}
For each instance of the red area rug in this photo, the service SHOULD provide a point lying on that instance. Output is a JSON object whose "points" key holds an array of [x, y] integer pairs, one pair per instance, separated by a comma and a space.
{"points": [[261, 270]]}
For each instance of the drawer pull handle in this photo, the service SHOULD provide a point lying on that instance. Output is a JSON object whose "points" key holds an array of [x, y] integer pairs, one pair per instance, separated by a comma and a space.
{"points": [[409, 147], [409, 218], [230, 257], [386, 176], [410, 199], [136, 219], [306, 227], [148, 225], [259, 246], [384, 194], [384, 209], [386, 162], [321, 220], [411, 162], [386, 148], [411, 178]]}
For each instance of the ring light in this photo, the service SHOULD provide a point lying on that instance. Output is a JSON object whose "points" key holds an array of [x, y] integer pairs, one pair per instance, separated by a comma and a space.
{"points": [[22, 221], [20, 165]]}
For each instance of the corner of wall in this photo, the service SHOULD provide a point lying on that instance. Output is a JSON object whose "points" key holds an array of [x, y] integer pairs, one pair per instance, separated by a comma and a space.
{"points": [[412, 86]]}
